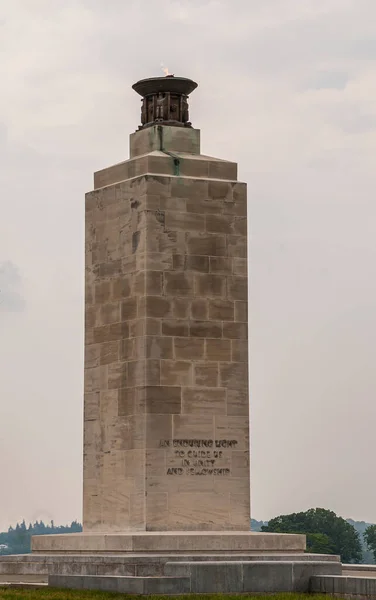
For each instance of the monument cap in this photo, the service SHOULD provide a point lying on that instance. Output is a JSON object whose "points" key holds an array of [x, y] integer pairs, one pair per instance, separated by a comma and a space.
{"points": [[165, 100]]}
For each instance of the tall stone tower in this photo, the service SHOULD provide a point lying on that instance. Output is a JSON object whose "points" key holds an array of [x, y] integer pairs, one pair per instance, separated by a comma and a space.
{"points": [[166, 424]]}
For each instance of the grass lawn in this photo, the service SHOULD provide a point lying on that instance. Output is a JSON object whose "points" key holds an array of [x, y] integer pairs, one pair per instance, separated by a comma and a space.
{"points": [[51, 594]]}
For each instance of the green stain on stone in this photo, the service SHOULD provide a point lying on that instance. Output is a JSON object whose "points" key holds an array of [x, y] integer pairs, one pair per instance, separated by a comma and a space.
{"points": [[175, 158]]}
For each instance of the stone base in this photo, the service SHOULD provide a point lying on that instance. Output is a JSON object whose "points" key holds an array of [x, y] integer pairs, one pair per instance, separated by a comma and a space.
{"points": [[170, 542], [147, 573], [171, 562]]}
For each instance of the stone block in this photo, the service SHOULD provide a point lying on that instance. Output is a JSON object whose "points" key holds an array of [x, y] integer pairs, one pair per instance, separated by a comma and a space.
{"points": [[149, 283], [303, 571], [167, 586], [221, 310], [157, 185], [237, 246], [171, 139], [106, 270], [204, 401], [157, 503], [239, 350], [240, 267], [203, 205], [223, 170], [158, 427], [175, 327], [199, 309], [206, 244], [92, 437], [191, 263], [162, 399], [235, 331], [206, 374], [96, 379], [158, 347], [218, 349], [176, 372], [109, 404], [187, 348], [178, 284], [241, 311], [109, 352], [233, 428], [267, 577], [143, 372], [129, 309], [206, 329], [233, 376], [216, 577], [193, 426], [118, 375], [181, 308], [239, 508], [102, 292], [240, 463], [219, 224], [209, 286], [92, 356], [183, 221], [221, 265], [91, 406], [155, 463], [155, 307], [145, 326], [134, 462], [237, 403], [107, 314], [221, 190], [189, 188], [122, 584], [237, 288], [185, 513], [129, 402], [109, 333]]}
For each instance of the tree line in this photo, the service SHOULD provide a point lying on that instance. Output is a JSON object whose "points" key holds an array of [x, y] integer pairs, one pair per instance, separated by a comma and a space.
{"points": [[328, 533], [17, 540]]}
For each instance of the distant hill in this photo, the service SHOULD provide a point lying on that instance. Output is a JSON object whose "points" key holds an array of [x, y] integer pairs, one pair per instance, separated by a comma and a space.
{"points": [[256, 525], [361, 526]]}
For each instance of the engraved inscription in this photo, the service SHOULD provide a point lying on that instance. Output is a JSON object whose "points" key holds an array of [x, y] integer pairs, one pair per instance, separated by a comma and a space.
{"points": [[199, 457]]}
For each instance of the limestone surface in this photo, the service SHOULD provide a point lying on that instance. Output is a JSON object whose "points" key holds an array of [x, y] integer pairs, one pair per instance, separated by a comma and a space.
{"points": [[166, 424]]}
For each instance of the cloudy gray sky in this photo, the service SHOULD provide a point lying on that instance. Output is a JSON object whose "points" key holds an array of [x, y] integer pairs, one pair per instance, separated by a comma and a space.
{"points": [[287, 89]]}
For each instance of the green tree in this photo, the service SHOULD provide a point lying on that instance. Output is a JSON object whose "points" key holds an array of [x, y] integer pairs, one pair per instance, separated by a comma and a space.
{"points": [[320, 543], [370, 538], [340, 536]]}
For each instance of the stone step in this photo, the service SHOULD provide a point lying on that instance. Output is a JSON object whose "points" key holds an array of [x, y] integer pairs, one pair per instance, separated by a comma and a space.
{"points": [[251, 576], [343, 586], [208, 577], [130, 585], [138, 558]]}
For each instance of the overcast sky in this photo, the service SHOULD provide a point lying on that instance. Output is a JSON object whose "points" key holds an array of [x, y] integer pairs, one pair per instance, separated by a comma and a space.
{"points": [[287, 88]]}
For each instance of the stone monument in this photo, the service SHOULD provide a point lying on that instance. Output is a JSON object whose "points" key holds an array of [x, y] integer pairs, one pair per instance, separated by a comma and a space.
{"points": [[166, 419], [166, 409]]}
